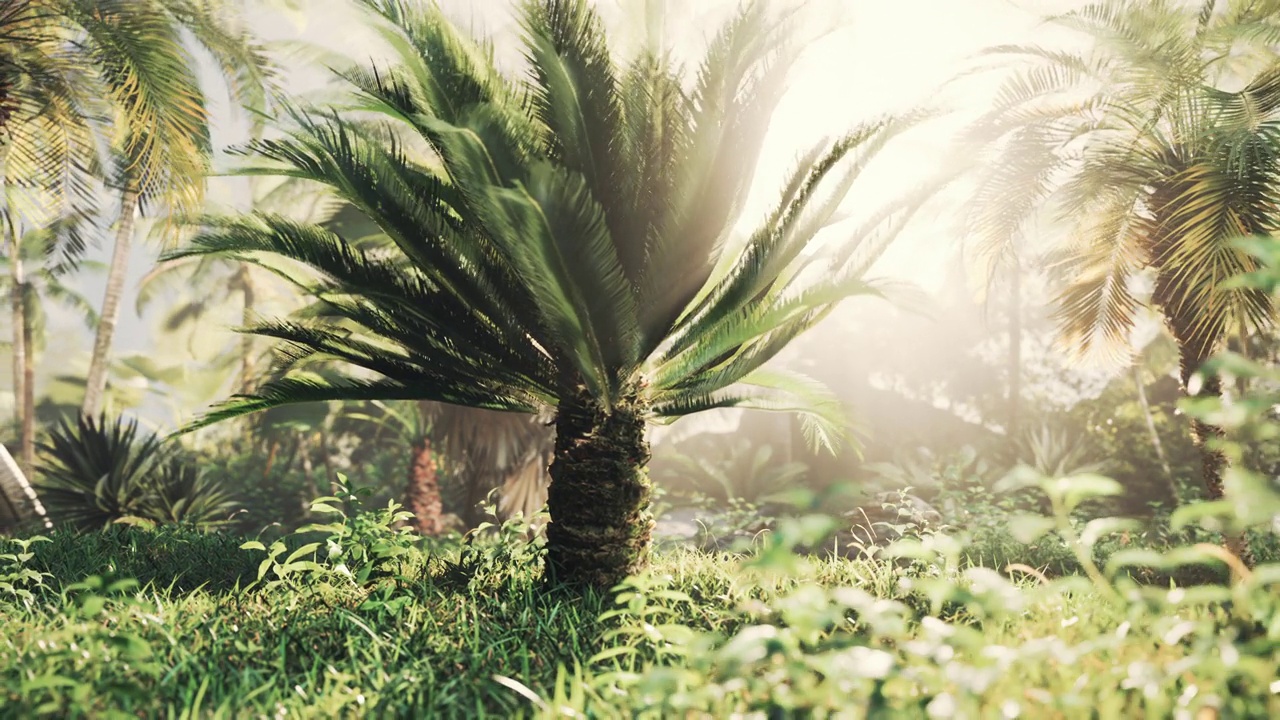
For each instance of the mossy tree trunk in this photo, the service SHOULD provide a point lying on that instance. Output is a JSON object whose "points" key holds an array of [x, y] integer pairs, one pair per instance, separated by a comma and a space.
{"points": [[422, 496], [601, 527]]}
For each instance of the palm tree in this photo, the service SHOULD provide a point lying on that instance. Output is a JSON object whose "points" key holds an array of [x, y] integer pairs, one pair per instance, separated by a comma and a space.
{"points": [[31, 292], [1155, 164], [569, 249], [46, 161], [73, 72], [161, 141]]}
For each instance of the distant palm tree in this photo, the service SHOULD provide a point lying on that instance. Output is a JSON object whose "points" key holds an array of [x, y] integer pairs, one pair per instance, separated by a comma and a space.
{"points": [[569, 247], [161, 132], [1159, 145], [191, 289], [34, 292]]}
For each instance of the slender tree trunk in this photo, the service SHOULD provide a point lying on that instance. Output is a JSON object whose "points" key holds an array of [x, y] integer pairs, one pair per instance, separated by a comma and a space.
{"points": [[272, 448], [308, 470], [16, 303], [600, 527], [327, 461], [422, 494], [96, 381], [28, 430], [1015, 352], [1155, 436], [249, 292]]}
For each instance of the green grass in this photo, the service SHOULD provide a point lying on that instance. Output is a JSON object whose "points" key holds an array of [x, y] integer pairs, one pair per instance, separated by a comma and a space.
{"points": [[468, 630]]}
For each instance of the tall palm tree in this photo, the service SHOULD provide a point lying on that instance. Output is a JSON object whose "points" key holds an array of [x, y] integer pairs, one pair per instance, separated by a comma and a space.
{"points": [[73, 72], [161, 141], [569, 249], [35, 290], [47, 159], [1159, 145]]}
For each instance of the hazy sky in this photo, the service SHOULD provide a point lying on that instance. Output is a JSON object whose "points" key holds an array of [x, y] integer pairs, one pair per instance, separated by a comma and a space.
{"points": [[877, 56]]}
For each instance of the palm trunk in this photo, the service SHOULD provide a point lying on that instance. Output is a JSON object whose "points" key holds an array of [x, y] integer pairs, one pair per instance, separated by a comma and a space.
{"points": [[17, 307], [24, 403], [249, 292], [1212, 462], [27, 445], [422, 495], [1015, 353], [1155, 436], [96, 381], [600, 527], [271, 458]]}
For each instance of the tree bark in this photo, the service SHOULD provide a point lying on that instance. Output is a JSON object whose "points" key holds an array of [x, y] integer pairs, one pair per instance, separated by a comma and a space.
{"points": [[1212, 462], [18, 308], [601, 527], [16, 282], [422, 494], [249, 293], [96, 380]]}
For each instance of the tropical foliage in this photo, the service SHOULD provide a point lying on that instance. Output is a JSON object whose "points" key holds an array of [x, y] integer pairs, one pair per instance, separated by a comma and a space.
{"points": [[571, 250], [1158, 147], [97, 472]]}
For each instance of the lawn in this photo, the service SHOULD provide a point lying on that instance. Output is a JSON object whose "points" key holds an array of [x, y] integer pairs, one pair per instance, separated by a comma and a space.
{"points": [[361, 620]]}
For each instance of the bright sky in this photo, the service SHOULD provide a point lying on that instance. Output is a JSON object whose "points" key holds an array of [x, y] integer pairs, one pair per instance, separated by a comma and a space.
{"points": [[878, 56]]}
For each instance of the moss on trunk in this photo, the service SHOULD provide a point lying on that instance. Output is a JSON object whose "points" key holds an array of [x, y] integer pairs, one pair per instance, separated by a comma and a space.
{"points": [[600, 527]]}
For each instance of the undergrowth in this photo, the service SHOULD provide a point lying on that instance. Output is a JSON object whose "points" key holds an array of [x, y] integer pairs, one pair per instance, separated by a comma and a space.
{"points": [[354, 617]]}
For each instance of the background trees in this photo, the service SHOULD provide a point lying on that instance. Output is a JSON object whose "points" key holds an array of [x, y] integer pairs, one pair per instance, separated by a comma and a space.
{"points": [[1157, 146]]}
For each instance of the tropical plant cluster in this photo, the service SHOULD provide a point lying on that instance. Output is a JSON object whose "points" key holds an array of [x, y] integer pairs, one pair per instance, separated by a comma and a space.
{"points": [[486, 442]]}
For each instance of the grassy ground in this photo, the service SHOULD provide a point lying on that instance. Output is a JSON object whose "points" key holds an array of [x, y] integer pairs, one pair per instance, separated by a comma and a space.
{"points": [[171, 623]]}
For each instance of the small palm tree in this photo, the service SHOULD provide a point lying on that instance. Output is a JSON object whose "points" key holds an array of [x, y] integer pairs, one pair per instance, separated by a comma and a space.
{"points": [[1160, 146], [566, 246], [97, 472]]}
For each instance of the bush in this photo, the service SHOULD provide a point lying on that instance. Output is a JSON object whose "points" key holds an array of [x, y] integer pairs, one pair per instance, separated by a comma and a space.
{"points": [[95, 473]]}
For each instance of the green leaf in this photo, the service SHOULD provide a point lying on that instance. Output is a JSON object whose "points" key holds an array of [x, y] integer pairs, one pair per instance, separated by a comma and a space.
{"points": [[1095, 529], [1075, 489], [1197, 513], [307, 549], [1028, 529]]}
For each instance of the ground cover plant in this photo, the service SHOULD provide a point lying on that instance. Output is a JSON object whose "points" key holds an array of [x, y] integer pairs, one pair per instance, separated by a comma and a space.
{"points": [[355, 618]]}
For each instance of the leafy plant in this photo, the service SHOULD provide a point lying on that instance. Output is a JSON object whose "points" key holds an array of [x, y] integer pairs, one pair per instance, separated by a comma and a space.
{"points": [[1055, 452], [97, 472], [356, 550], [1159, 156], [567, 245], [18, 581]]}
